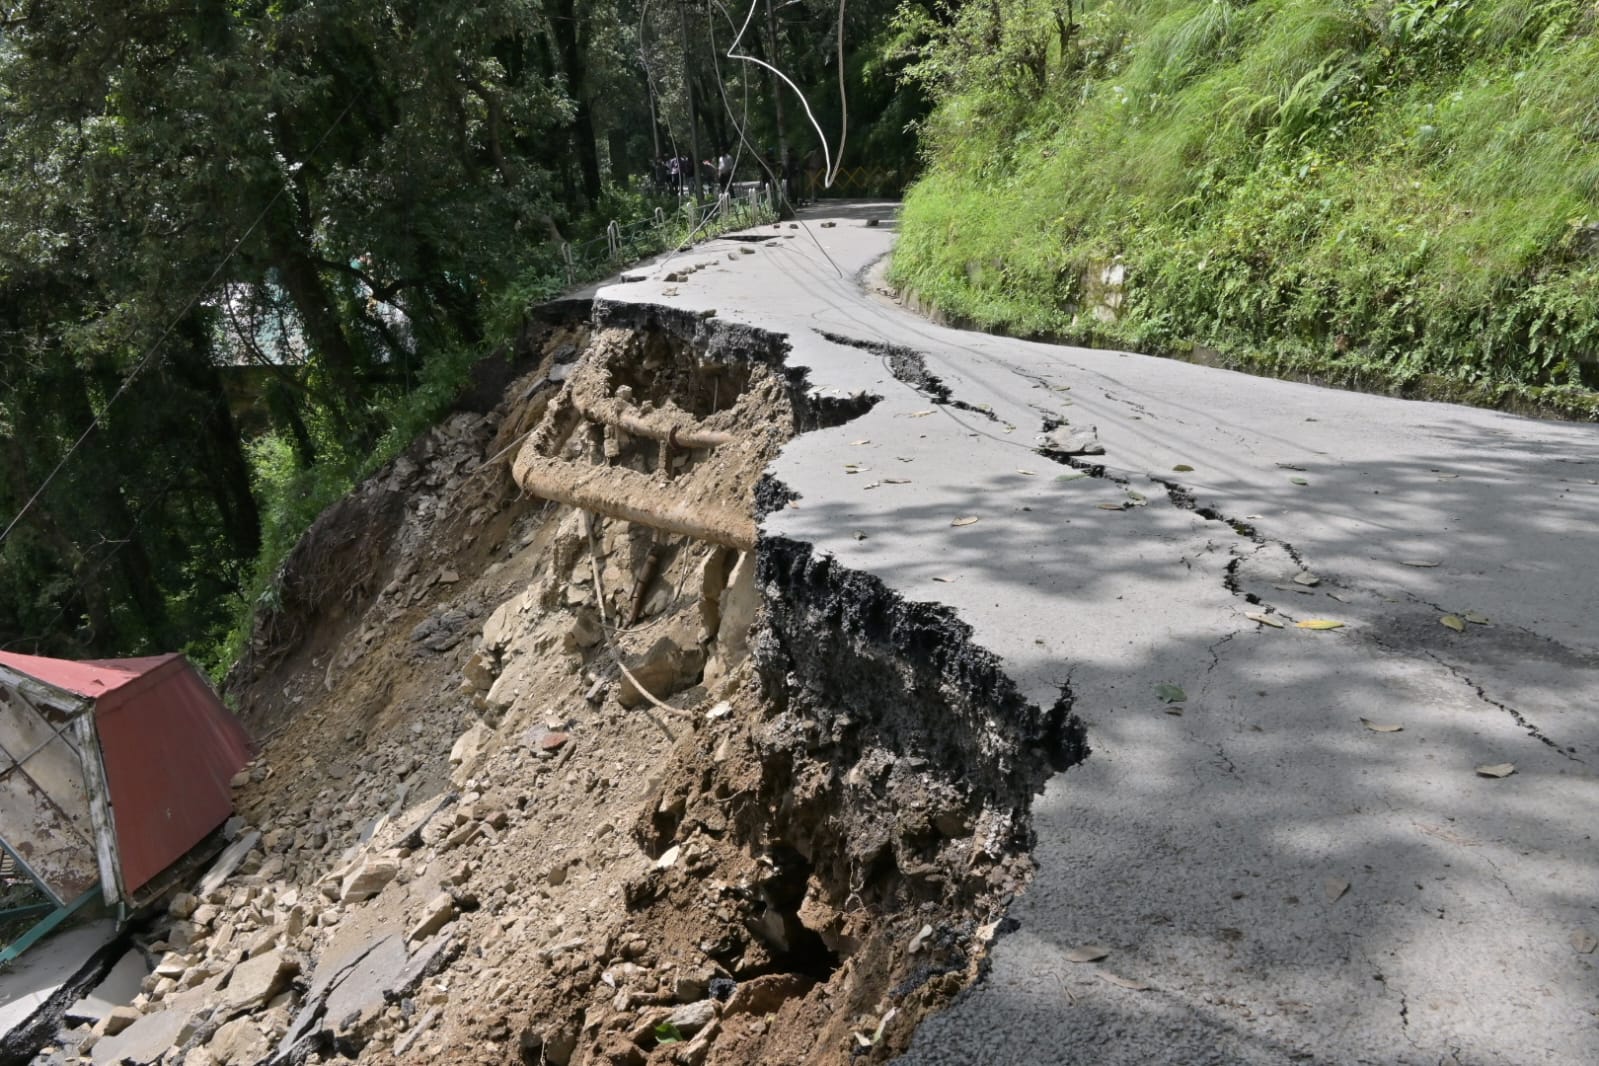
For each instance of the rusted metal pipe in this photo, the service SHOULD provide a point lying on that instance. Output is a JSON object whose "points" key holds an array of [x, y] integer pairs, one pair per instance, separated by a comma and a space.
{"points": [[680, 433], [617, 492]]}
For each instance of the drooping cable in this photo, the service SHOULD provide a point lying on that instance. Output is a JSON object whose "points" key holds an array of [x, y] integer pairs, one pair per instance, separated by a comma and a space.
{"points": [[149, 354]]}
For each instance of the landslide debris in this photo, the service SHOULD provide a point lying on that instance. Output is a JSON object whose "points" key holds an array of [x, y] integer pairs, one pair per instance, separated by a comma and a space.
{"points": [[544, 786]]}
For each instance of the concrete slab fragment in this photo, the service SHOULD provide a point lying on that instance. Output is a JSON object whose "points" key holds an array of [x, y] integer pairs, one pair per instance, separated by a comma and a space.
{"points": [[30, 982], [116, 989]]}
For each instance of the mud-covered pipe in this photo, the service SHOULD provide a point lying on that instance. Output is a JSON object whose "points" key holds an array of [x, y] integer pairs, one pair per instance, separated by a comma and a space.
{"points": [[617, 492], [681, 434]]}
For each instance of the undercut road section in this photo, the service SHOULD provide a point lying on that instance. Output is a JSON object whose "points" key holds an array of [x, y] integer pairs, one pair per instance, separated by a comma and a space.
{"points": [[1337, 656]]}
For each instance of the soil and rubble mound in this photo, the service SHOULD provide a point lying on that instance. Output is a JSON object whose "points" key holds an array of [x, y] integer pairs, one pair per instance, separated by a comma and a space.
{"points": [[544, 786]]}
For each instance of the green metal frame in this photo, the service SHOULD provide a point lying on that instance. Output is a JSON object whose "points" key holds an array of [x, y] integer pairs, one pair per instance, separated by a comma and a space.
{"points": [[55, 911], [45, 926]]}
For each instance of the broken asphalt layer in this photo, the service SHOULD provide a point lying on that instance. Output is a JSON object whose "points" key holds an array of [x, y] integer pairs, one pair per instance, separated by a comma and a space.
{"points": [[1273, 878]]}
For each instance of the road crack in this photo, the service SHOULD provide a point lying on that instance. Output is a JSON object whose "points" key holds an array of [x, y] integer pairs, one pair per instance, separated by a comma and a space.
{"points": [[1520, 719]]}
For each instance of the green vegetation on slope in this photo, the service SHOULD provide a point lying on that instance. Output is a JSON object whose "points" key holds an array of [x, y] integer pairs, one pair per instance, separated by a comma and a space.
{"points": [[1392, 194]]}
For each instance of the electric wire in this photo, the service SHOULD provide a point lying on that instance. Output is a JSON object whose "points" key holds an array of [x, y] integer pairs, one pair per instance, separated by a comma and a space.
{"points": [[150, 353]]}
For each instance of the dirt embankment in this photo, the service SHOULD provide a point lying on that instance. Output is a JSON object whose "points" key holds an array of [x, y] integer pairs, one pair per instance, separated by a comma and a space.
{"points": [[545, 786]]}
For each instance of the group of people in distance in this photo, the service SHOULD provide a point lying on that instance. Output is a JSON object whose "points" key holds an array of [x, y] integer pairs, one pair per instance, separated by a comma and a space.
{"points": [[676, 173]]}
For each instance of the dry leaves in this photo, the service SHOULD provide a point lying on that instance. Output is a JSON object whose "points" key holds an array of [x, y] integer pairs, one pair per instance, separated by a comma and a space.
{"points": [[920, 414], [1263, 618], [1583, 941], [1183, 468], [1453, 621], [1498, 769], [1087, 953], [1381, 727], [1299, 481], [964, 520], [1026, 473], [1128, 983], [1476, 618], [1334, 888], [1307, 579], [1169, 693], [1319, 623], [1416, 562]]}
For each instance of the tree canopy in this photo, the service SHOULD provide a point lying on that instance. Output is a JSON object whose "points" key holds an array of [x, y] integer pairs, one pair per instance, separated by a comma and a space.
{"points": [[234, 233]]}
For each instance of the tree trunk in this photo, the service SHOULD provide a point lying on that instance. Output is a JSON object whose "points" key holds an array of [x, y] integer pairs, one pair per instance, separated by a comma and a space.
{"points": [[571, 34], [774, 56], [302, 281], [225, 469]]}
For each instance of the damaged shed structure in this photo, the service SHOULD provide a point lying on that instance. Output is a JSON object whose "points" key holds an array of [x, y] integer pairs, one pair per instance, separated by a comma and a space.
{"points": [[110, 772]]}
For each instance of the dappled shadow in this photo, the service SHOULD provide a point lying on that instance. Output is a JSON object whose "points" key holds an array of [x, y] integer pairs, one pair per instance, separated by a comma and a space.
{"points": [[1291, 884]]}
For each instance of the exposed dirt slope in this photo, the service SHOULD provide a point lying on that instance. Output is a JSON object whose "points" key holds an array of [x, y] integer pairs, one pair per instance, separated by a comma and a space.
{"points": [[480, 841]]}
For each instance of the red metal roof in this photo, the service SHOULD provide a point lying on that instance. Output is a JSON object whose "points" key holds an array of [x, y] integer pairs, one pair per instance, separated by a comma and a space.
{"points": [[92, 678], [169, 748]]}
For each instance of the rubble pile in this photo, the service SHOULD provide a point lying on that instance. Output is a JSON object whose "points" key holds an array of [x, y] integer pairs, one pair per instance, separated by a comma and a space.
{"points": [[543, 786]]}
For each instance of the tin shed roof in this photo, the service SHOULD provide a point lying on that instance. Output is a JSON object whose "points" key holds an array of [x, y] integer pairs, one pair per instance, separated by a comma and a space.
{"points": [[168, 747], [92, 678]]}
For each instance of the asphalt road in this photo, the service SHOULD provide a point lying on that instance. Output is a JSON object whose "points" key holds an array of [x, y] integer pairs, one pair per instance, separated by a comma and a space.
{"points": [[1274, 879]]}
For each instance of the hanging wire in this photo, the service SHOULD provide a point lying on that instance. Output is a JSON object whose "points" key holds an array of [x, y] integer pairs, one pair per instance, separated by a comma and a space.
{"points": [[150, 353]]}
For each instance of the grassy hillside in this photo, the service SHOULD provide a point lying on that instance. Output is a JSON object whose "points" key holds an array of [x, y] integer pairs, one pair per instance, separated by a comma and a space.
{"points": [[1389, 194]]}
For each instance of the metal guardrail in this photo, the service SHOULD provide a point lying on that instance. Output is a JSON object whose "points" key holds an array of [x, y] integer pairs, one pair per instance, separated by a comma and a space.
{"points": [[629, 242]]}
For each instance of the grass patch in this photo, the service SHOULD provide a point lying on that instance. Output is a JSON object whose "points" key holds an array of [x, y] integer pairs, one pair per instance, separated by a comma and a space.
{"points": [[1388, 192]]}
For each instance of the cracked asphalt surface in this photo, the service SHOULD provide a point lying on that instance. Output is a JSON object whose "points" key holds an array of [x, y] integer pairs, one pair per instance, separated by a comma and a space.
{"points": [[1274, 879]]}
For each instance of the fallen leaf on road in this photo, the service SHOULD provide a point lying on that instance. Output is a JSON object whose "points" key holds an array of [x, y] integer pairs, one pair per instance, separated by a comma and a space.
{"points": [[856, 443], [1381, 727], [1183, 468], [944, 580], [1168, 693], [1071, 477], [1026, 473], [1294, 588], [1299, 481], [1175, 711], [1112, 506], [1498, 769], [1319, 623], [1475, 618], [1453, 621], [1334, 887], [1584, 941], [1306, 578], [871, 485], [1128, 983], [965, 520], [1263, 619], [1087, 953], [1138, 498], [920, 414], [1290, 466], [1416, 562], [1447, 477], [1340, 599], [860, 535]]}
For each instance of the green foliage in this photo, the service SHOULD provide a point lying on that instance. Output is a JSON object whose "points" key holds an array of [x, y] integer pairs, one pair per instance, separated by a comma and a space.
{"points": [[1375, 192]]}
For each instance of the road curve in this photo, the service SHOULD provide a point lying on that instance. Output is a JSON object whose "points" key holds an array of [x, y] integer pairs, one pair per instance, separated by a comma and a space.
{"points": [[1278, 874]]}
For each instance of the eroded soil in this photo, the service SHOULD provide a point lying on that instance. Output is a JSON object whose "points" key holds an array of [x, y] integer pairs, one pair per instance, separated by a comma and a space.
{"points": [[783, 833]]}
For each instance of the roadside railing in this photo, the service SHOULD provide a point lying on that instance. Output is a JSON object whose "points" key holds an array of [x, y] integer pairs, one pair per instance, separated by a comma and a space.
{"points": [[628, 242]]}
